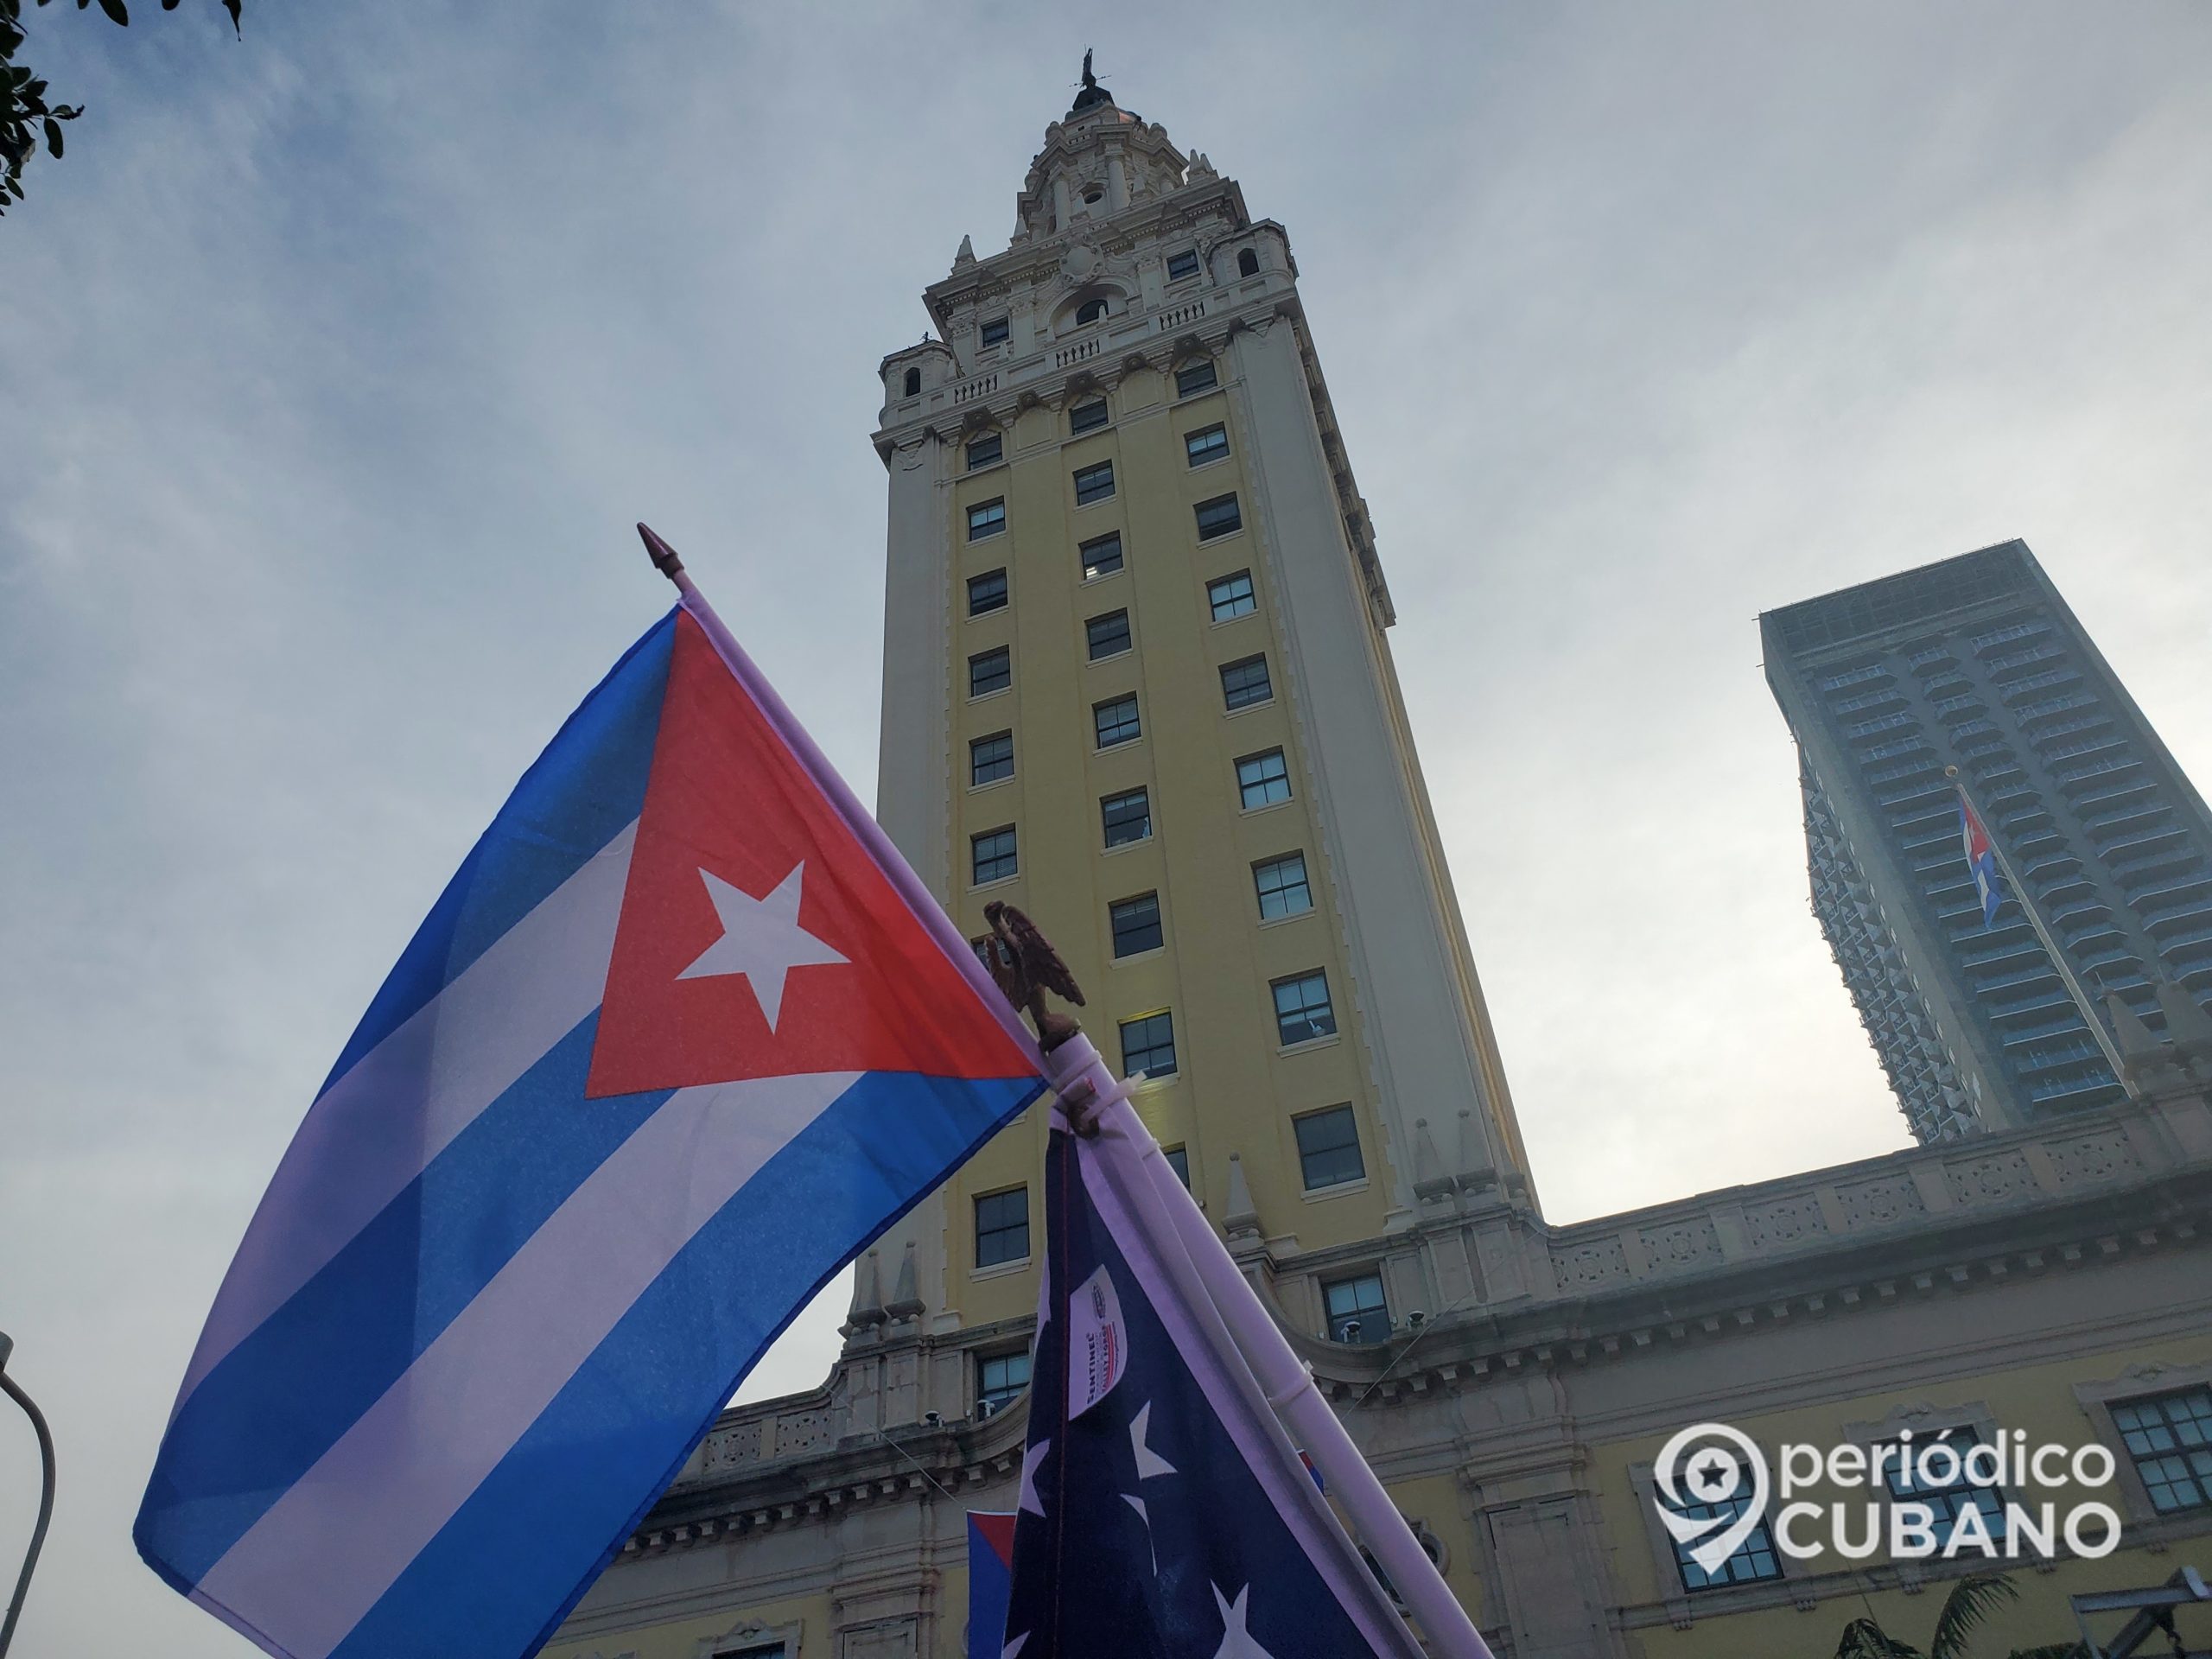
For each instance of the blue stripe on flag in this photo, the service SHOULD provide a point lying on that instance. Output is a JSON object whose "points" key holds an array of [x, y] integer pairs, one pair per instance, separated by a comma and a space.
{"points": [[575, 798], [561, 1503], [282, 1398]]}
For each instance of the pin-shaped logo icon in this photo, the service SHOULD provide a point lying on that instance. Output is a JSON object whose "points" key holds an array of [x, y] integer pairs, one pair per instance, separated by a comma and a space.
{"points": [[1697, 1491]]}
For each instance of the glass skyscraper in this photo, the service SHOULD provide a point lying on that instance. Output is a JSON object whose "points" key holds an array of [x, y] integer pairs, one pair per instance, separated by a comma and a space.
{"points": [[1976, 662]]}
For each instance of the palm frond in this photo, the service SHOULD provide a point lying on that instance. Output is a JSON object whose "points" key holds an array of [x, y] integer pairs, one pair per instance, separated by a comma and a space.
{"points": [[2052, 1651], [1864, 1639], [1971, 1601]]}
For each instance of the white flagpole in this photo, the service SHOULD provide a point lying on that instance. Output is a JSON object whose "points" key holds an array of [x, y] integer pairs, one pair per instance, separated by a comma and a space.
{"points": [[1177, 1226], [2027, 904]]}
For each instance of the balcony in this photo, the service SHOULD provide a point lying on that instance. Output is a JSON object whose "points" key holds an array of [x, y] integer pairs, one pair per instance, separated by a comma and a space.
{"points": [[1999, 953], [2033, 975], [2014, 1007], [2069, 1021], [2182, 941]]}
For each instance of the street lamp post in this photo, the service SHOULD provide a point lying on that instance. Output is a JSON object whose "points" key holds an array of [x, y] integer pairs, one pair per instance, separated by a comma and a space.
{"points": [[45, 1493]]}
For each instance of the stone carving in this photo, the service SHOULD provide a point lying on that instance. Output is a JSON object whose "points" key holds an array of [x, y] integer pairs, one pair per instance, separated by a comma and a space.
{"points": [[1682, 1243], [2100, 1157], [1599, 1262], [802, 1431], [1879, 1203], [727, 1447], [1989, 1180], [1783, 1221]]}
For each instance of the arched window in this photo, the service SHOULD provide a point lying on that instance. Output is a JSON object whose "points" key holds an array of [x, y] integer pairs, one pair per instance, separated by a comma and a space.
{"points": [[1089, 312], [1248, 263], [913, 383]]}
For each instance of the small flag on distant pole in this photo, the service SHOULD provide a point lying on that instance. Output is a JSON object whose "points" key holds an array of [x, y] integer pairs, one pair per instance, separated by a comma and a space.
{"points": [[683, 1037], [1982, 858]]}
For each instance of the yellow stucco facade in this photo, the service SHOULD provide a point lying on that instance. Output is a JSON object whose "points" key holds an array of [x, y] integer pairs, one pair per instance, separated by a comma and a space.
{"points": [[1512, 1382]]}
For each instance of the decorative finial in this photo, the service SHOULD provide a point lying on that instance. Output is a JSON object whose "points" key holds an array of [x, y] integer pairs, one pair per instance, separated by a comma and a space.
{"points": [[663, 556], [1025, 965], [1089, 79]]}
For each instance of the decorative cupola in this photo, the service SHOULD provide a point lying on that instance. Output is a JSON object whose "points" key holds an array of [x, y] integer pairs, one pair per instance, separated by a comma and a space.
{"points": [[1097, 160]]}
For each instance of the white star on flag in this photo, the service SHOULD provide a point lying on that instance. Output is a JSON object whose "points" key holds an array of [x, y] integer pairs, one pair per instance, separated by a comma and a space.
{"points": [[761, 939], [1149, 1462], [1237, 1642], [1034, 1456]]}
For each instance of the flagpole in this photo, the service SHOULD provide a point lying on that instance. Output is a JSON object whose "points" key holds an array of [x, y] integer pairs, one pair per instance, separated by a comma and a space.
{"points": [[1177, 1228], [2065, 969]]}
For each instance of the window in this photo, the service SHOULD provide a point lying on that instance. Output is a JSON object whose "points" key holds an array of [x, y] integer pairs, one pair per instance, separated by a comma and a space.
{"points": [[1358, 1311], [1217, 518], [1207, 443], [1909, 1481], [995, 332], [1280, 882], [1148, 1045], [773, 1651], [1302, 1010], [1195, 378], [1002, 1227], [987, 593], [1181, 263], [1262, 780], [1136, 924], [993, 855], [1090, 310], [1179, 1160], [1102, 557], [1115, 721], [1000, 1378], [1242, 684], [990, 758], [986, 519], [1248, 263], [1108, 635], [1087, 417], [1328, 1149], [913, 383], [1723, 1494], [989, 671], [2169, 1436], [1231, 596], [983, 451], [1094, 483], [1127, 816]]}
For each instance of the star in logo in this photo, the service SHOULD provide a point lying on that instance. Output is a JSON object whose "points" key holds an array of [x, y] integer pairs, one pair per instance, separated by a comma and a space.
{"points": [[761, 939], [1711, 1473]]}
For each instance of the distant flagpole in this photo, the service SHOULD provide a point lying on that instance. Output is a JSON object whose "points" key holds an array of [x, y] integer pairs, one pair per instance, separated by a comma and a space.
{"points": [[2028, 908], [1180, 1233]]}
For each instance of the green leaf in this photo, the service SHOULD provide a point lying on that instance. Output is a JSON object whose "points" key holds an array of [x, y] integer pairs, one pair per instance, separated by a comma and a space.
{"points": [[54, 137], [116, 12], [1971, 1601]]}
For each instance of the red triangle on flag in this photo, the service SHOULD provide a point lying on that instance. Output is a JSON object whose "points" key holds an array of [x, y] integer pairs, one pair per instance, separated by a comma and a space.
{"points": [[759, 937]]}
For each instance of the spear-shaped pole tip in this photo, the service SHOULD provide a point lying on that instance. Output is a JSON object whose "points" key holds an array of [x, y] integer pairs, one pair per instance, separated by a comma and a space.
{"points": [[663, 555]]}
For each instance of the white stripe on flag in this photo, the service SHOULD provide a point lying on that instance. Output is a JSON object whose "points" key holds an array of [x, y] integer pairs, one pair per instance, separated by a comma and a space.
{"points": [[318, 1560], [376, 1128]]}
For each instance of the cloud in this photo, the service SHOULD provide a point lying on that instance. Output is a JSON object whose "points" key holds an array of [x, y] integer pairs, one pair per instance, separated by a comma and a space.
{"points": [[340, 358]]}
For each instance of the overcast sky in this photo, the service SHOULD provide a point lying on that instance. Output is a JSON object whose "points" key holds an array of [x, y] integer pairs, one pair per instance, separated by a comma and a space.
{"points": [[338, 361]]}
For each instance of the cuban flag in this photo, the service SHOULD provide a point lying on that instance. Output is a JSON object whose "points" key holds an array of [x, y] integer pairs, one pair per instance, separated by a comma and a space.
{"points": [[990, 1581], [1164, 1514], [1982, 858], [683, 1036]]}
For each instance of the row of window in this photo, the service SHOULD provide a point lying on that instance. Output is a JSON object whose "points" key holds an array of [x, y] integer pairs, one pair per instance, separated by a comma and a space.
{"points": [[1280, 884], [1221, 516], [2167, 1437], [1208, 443], [1227, 597], [1328, 1156], [1263, 779]]}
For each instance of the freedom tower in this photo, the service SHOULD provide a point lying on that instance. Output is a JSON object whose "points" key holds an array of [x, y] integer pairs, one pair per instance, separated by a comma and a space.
{"points": [[1138, 683]]}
